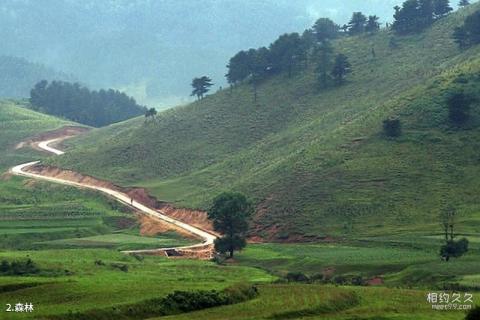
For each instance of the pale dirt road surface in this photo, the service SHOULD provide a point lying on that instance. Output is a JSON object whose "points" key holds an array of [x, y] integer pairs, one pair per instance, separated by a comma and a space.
{"points": [[208, 239]]}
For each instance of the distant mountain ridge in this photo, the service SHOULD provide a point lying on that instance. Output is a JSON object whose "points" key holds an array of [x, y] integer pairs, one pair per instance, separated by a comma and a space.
{"points": [[18, 76]]}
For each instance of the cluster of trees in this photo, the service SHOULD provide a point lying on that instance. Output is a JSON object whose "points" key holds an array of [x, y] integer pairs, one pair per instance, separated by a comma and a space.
{"points": [[26, 267], [415, 15], [75, 102], [468, 34], [293, 52]]}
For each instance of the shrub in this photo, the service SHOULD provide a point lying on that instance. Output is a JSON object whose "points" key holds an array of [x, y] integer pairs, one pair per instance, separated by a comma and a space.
{"points": [[458, 108], [392, 128], [454, 249], [26, 267], [297, 277], [184, 301]]}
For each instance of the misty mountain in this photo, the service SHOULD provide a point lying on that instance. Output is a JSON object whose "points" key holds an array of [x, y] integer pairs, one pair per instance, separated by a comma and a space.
{"points": [[18, 76], [152, 49]]}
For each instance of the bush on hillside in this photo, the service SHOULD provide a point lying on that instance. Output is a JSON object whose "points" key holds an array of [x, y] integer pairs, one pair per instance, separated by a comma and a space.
{"points": [[297, 277], [17, 268], [392, 128], [454, 249], [458, 108]]}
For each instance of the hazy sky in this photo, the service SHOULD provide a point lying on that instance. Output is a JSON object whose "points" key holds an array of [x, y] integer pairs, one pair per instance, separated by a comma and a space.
{"points": [[153, 48]]}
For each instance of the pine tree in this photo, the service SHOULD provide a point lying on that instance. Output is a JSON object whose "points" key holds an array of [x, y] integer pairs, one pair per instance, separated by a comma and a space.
{"points": [[325, 29], [341, 68], [357, 23], [441, 8], [201, 86], [372, 24], [322, 54]]}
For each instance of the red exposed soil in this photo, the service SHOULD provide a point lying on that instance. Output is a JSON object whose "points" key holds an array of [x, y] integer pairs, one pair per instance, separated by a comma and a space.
{"points": [[196, 218], [375, 281]]}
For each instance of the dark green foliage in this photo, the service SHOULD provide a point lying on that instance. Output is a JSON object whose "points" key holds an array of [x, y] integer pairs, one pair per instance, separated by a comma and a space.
{"points": [[238, 67], [473, 314], [77, 103], [372, 24], [357, 23], [286, 53], [458, 108], [297, 277], [392, 127], [184, 301], [201, 86], [150, 114], [454, 249], [27, 267], [120, 266], [469, 34], [416, 15], [463, 3], [341, 68], [230, 244], [230, 213], [323, 55], [325, 29], [441, 7]]}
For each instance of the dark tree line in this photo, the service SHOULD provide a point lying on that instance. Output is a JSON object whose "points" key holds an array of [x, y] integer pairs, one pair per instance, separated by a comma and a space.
{"points": [[77, 103], [469, 34], [416, 15]]}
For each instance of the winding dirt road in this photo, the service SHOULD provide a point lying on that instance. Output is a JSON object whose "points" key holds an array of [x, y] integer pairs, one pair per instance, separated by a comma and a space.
{"points": [[205, 247]]}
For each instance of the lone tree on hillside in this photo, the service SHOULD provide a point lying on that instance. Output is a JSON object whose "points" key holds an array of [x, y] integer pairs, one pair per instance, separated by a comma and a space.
{"points": [[463, 3], [341, 68], [201, 86], [458, 108], [150, 114], [392, 128], [230, 213], [451, 248]]}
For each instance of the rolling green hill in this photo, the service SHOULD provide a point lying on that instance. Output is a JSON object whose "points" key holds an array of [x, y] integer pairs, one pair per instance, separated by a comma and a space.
{"points": [[316, 162], [18, 123]]}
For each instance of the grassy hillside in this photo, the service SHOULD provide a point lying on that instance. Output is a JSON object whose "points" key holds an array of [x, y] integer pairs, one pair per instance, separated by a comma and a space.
{"points": [[315, 162], [18, 123]]}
